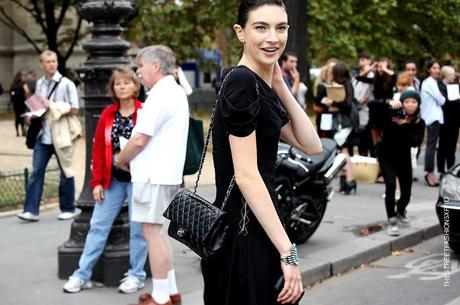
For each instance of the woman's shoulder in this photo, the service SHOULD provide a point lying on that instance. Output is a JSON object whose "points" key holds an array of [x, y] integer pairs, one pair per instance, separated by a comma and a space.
{"points": [[240, 76], [109, 110]]}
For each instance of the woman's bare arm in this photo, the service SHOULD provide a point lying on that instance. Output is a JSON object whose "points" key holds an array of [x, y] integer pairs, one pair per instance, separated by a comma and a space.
{"points": [[249, 181], [299, 132]]}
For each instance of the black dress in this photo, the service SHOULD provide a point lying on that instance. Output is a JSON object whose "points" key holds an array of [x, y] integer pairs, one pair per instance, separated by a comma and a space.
{"points": [[246, 270]]}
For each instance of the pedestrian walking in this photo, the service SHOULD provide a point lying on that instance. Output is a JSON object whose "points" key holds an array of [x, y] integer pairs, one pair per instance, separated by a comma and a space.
{"points": [[248, 124], [58, 133], [19, 91], [363, 87], [156, 156], [112, 186], [402, 130], [344, 123], [323, 80], [432, 114], [448, 133]]}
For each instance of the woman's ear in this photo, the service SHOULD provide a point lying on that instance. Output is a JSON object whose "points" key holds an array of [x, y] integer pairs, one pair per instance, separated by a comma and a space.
{"points": [[239, 32]]}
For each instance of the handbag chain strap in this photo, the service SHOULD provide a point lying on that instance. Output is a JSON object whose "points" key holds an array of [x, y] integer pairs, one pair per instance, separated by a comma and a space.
{"points": [[208, 137]]}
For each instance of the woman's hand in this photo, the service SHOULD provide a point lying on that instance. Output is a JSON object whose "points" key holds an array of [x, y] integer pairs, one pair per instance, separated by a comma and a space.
{"points": [[328, 102], [98, 193], [400, 121], [277, 79], [395, 104], [293, 287]]}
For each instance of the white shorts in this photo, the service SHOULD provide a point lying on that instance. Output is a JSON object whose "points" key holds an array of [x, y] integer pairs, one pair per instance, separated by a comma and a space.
{"points": [[150, 201]]}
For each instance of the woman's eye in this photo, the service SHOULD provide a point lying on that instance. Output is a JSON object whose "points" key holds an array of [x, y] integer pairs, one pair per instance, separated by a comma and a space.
{"points": [[282, 29], [261, 28]]}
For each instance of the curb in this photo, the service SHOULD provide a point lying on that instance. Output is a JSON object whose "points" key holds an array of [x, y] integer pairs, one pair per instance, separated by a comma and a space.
{"points": [[327, 263], [43, 207]]}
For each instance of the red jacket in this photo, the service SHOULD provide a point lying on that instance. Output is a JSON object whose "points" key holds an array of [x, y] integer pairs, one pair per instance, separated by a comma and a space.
{"points": [[102, 145]]}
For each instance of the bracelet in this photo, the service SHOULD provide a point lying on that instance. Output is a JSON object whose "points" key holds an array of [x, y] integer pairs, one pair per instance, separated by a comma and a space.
{"points": [[293, 258]]}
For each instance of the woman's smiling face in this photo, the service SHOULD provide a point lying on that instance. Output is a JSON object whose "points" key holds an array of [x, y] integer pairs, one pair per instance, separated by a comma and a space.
{"points": [[265, 34]]}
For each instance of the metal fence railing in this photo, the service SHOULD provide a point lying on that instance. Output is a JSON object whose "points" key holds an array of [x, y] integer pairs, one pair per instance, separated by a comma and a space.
{"points": [[15, 171]]}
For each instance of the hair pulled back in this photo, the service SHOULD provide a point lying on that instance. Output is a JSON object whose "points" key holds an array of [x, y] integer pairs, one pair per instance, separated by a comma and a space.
{"points": [[246, 6]]}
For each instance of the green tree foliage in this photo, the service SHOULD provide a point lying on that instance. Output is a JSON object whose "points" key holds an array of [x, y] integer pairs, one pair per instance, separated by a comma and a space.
{"points": [[398, 29], [183, 25], [50, 16]]}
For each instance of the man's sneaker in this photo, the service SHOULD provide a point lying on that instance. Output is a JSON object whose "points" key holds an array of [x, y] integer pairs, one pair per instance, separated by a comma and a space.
{"points": [[392, 228], [130, 284], [66, 215], [402, 218], [28, 216], [76, 284]]}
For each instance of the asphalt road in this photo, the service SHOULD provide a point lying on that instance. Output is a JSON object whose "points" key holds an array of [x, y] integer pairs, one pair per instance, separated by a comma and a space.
{"points": [[416, 275]]}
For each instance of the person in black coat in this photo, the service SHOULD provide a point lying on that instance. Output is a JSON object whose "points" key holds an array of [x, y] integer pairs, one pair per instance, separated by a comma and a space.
{"points": [[19, 91], [403, 128], [448, 133]]}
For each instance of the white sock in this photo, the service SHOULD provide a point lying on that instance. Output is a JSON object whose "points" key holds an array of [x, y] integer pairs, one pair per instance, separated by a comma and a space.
{"points": [[160, 291], [172, 282]]}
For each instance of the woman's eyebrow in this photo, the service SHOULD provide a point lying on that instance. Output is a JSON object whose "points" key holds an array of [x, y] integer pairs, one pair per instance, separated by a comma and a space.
{"points": [[265, 23]]}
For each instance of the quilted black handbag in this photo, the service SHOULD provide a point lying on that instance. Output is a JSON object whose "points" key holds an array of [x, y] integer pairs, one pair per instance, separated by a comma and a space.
{"points": [[195, 222]]}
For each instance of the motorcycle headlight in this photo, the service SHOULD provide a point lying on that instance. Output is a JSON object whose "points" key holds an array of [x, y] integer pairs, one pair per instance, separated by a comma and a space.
{"points": [[450, 187]]}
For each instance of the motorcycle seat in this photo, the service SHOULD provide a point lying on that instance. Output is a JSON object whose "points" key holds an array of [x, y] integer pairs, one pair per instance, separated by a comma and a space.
{"points": [[314, 162]]}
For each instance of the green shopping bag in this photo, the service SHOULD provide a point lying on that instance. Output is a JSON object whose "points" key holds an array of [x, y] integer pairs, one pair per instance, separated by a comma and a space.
{"points": [[195, 145]]}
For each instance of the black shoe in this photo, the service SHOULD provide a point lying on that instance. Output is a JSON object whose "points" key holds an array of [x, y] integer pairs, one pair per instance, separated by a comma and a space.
{"points": [[429, 183], [349, 186]]}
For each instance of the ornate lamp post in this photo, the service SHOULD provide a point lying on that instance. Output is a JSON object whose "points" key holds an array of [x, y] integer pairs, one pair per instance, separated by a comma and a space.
{"points": [[106, 50]]}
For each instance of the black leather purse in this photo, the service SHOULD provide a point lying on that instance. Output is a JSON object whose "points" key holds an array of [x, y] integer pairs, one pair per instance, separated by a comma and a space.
{"points": [[195, 222]]}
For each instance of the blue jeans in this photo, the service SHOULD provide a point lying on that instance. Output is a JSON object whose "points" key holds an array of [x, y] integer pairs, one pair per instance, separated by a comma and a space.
{"points": [[42, 154], [102, 219]]}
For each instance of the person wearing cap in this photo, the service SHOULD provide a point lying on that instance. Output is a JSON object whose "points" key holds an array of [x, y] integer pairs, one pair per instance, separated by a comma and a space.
{"points": [[402, 130]]}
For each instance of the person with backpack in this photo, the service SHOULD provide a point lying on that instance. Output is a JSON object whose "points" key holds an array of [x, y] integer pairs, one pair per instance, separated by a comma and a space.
{"points": [[56, 134]]}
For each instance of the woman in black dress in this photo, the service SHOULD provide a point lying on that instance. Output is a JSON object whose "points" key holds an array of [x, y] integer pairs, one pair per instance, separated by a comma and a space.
{"points": [[249, 121]]}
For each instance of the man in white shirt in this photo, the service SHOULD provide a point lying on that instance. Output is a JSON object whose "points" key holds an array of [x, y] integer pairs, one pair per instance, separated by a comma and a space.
{"points": [[156, 156], [54, 89]]}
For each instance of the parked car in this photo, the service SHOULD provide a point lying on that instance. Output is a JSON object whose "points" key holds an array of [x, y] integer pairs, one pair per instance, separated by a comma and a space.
{"points": [[448, 207]]}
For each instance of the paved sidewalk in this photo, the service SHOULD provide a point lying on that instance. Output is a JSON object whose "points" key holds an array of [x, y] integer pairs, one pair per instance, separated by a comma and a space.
{"points": [[28, 251]]}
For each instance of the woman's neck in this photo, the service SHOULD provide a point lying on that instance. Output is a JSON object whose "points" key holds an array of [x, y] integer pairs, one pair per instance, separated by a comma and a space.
{"points": [[264, 71], [126, 106]]}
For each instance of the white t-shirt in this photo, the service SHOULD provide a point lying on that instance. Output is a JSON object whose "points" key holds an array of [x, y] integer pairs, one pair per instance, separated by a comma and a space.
{"points": [[164, 116]]}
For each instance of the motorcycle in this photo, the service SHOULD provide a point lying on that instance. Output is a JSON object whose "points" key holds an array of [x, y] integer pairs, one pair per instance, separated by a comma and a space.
{"points": [[303, 186]]}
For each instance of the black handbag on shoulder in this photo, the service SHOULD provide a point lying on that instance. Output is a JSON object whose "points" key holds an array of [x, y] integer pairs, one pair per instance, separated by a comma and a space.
{"points": [[195, 222], [36, 123]]}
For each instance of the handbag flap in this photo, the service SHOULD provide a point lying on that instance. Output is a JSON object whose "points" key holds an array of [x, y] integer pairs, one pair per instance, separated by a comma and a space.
{"points": [[192, 213]]}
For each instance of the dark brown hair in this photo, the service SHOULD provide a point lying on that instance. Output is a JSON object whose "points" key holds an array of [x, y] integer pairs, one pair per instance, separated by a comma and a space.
{"points": [[246, 6]]}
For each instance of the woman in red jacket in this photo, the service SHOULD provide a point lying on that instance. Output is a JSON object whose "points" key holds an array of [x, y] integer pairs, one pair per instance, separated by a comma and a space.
{"points": [[112, 186]]}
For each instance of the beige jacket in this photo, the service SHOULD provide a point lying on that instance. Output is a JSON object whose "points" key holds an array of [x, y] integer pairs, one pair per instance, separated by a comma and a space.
{"points": [[65, 130]]}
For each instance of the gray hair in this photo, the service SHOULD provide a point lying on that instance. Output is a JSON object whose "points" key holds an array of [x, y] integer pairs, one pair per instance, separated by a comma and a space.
{"points": [[160, 53], [446, 70]]}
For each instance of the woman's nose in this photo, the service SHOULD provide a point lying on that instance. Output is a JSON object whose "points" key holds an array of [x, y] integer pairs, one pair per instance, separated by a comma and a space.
{"points": [[273, 36]]}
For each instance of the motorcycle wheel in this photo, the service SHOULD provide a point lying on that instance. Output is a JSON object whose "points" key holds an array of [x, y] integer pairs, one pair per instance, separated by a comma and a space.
{"points": [[305, 219]]}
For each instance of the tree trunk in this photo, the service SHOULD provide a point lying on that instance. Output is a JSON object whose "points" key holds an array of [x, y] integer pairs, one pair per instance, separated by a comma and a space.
{"points": [[297, 42]]}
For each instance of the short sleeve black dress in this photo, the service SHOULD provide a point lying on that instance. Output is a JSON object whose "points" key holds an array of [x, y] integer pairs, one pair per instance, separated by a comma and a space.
{"points": [[246, 270]]}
